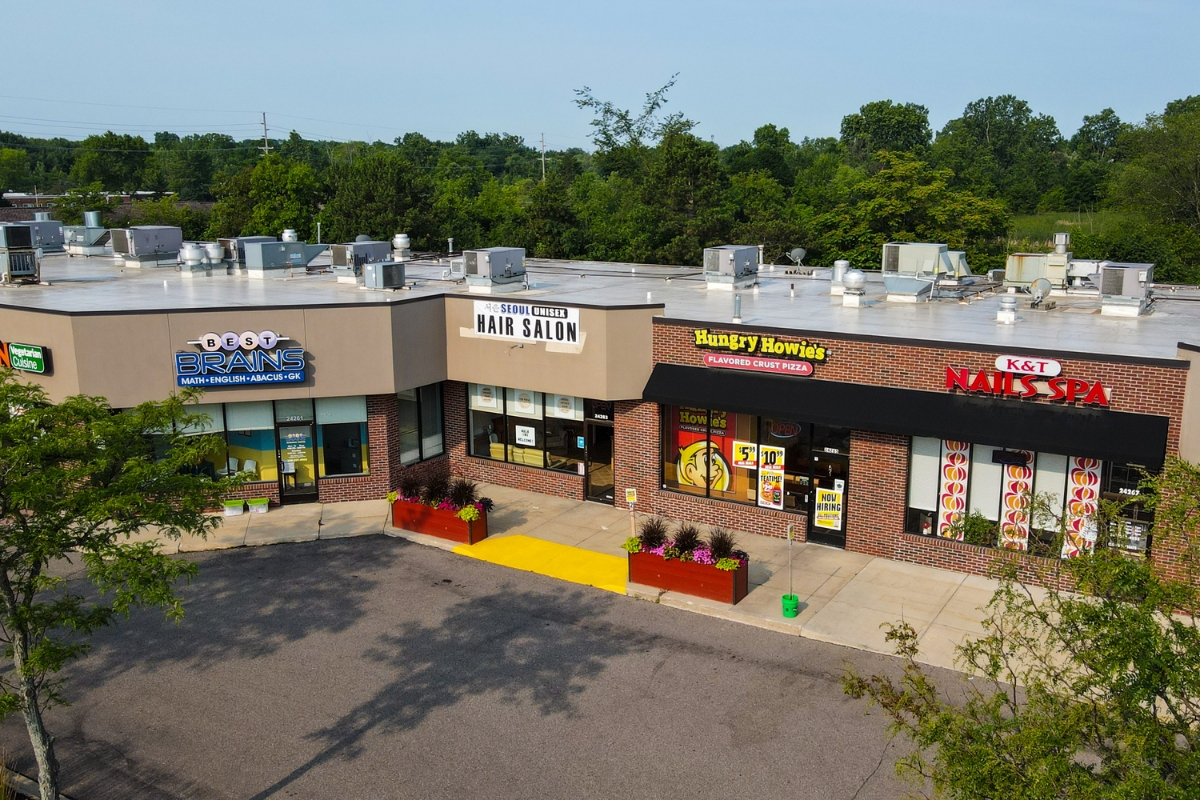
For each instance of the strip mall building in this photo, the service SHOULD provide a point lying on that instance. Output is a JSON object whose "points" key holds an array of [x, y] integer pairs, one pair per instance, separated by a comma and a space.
{"points": [[870, 428]]}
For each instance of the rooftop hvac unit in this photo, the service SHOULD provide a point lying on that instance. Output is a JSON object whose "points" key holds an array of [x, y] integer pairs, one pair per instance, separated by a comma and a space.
{"points": [[383, 275], [349, 258], [494, 269], [146, 243], [1124, 288], [235, 248], [19, 261], [15, 237], [923, 258], [730, 266], [271, 255], [45, 233], [84, 236]]}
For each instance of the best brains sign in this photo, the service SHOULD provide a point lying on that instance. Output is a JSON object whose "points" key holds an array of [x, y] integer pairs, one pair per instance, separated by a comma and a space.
{"points": [[522, 322], [248, 359]]}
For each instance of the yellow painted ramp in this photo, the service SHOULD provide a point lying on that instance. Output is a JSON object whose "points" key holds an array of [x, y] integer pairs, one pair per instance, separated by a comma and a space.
{"points": [[560, 561]]}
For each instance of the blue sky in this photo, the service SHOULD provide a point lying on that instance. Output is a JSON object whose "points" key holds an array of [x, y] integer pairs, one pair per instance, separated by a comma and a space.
{"points": [[365, 69]]}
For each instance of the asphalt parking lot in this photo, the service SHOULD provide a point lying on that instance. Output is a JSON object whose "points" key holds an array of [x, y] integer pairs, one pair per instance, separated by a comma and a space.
{"points": [[377, 668]]}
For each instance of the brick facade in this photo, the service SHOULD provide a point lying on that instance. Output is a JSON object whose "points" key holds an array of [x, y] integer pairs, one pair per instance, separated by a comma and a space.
{"points": [[383, 452], [461, 463], [877, 496]]}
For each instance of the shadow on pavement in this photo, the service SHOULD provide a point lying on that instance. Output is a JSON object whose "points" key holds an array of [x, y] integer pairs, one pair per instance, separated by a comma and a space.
{"points": [[525, 646], [248, 604]]}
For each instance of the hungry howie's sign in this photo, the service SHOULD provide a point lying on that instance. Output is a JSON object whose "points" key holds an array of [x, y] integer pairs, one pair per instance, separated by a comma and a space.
{"points": [[759, 353], [246, 359]]}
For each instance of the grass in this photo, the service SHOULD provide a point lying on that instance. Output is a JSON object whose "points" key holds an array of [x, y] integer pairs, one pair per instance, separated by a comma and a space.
{"points": [[1037, 228]]}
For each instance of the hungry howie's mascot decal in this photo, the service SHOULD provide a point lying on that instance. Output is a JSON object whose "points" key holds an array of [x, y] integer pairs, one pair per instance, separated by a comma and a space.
{"points": [[701, 464]]}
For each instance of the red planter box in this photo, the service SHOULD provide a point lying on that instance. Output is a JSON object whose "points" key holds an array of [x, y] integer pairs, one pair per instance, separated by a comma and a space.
{"points": [[420, 518], [688, 577]]}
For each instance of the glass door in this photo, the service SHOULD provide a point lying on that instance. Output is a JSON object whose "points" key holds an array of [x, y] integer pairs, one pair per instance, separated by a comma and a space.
{"points": [[599, 462], [297, 463], [827, 499]]}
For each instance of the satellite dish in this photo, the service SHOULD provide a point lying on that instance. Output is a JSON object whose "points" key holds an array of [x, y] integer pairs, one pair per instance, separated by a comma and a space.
{"points": [[1040, 289], [797, 255]]}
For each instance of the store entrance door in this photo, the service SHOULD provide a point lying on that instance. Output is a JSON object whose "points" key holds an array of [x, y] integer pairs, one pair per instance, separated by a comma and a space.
{"points": [[599, 462], [297, 463], [827, 499]]}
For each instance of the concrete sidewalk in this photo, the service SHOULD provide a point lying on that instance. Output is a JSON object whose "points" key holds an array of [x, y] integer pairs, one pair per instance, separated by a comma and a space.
{"points": [[304, 522], [845, 598]]}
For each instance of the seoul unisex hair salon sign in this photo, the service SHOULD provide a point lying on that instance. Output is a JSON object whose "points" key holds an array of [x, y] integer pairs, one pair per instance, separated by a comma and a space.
{"points": [[1021, 376], [523, 322], [759, 353], [246, 359]]}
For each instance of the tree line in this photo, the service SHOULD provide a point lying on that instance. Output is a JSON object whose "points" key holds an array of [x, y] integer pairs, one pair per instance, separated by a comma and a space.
{"points": [[652, 190]]}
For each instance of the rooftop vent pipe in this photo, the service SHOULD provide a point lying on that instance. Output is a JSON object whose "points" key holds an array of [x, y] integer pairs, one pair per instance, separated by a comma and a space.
{"points": [[853, 295], [91, 219], [1008, 309], [289, 235]]}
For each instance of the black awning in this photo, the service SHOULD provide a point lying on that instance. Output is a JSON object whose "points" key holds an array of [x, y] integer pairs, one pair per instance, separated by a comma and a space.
{"points": [[1097, 433]]}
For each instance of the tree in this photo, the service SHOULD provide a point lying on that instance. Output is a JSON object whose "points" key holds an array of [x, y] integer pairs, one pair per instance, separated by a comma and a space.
{"points": [[116, 161], [1000, 148], [1090, 693], [14, 170], [168, 211], [380, 194], [908, 200], [622, 139], [1098, 136], [76, 480], [188, 165], [771, 151], [684, 198], [1162, 178], [230, 215], [71, 206], [884, 125], [285, 194]]}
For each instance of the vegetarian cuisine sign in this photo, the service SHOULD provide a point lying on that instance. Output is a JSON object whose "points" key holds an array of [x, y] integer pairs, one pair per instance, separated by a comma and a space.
{"points": [[759, 353]]}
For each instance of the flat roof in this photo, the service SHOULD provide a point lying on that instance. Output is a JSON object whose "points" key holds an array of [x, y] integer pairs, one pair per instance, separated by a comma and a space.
{"points": [[79, 285]]}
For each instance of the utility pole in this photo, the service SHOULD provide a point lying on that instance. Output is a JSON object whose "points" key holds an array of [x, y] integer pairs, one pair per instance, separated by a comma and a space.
{"points": [[543, 158], [266, 146]]}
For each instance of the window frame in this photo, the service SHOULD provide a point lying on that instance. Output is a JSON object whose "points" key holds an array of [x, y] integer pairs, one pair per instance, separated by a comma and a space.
{"points": [[663, 417], [422, 456]]}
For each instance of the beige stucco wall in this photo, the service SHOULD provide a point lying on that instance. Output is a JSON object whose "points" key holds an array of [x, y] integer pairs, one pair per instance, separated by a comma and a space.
{"points": [[612, 363], [129, 358], [1189, 429], [51, 331]]}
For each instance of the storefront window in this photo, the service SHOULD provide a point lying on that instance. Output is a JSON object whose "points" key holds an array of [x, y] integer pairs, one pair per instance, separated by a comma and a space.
{"points": [[794, 439], [526, 434], [210, 420], [250, 441], [296, 410], [530, 428], [342, 446], [1131, 530], [735, 438], [948, 480], [687, 453], [420, 415], [488, 431], [564, 433], [432, 441], [739, 457]]}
